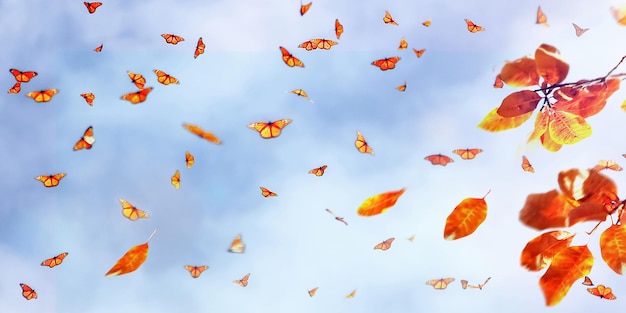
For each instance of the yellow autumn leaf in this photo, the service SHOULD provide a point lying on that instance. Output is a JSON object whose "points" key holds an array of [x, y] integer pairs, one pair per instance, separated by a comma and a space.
{"points": [[613, 247], [379, 203], [493, 122], [131, 260], [567, 128]]}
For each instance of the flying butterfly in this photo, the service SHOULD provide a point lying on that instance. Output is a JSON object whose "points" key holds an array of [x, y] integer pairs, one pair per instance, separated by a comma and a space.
{"points": [[403, 44], [199, 48], [195, 271], [607, 165], [440, 284], [526, 166], [137, 79], [51, 180], [579, 30], [473, 28], [289, 59], [337, 217], [138, 96], [242, 282], [17, 87], [176, 179], [481, 286], [131, 212], [27, 292], [318, 171], [619, 14], [54, 261], [498, 83], [587, 281], [411, 238], [165, 78], [172, 39], [542, 19], [267, 193], [419, 53], [312, 292], [92, 6], [189, 159], [196, 130], [23, 77], [351, 295], [305, 8], [86, 141], [386, 63], [338, 29], [42, 95], [402, 87], [467, 154], [324, 44], [99, 48], [427, 23], [362, 145], [603, 292], [302, 93], [270, 129], [464, 283], [89, 97], [439, 159], [237, 246], [388, 19], [384, 245]]}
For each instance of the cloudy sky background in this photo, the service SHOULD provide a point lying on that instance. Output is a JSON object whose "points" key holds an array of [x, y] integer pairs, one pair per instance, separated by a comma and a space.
{"points": [[292, 244]]}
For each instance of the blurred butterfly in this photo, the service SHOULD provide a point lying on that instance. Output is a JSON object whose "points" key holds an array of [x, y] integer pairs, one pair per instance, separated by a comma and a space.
{"points": [[440, 284], [473, 28], [196, 130], [526, 166], [384, 245], [92, 6], [99, 48], [312, 292], [419, 53], [138, 96], [242, 282], [308, 45], [16, 88], [131, 212], [305, 8], [51, 180], [270, 129], [337, 217], [267, 193], [289, 59], [439, 159], [86, 141], [351, 295], [165, 79], [27, 292], [388, 19], [189, 159], [89, 97], [579, 31], [403, 44], [464, 283], [427, 23], [619, 14], [199, 48], [411, 238], [302, 93], [467, 154], [338, 29], [402, 87], [498, 83], [172, 39], [318, 171], [176, 179], [542, 19], [587, 281], [23, 77], [324, 44], [480, 286], [602, 292], [362, 145], [237, 246], [386, 63], [42, 95], [607, 165], [137, 79], [195, 271], [54, 261]]}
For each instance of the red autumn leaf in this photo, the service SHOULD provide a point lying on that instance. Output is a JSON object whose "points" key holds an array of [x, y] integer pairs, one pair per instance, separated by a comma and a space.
{"points": [[519, 103], [546, 210], [586, 185], [550, 66], [538, 252], [465, 218], [586, 101], [520, 73], [379, 203], [567, 128], [613, 247], [131, 260], [493, 122], [568, 266]]}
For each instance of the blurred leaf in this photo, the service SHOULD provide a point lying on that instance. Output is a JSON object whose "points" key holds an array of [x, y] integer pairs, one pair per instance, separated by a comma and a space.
{"points": [[520, 73], [519, 103], [493, 122], [550, 66], [568, 266], [613, 247], [465, 218], [540, 250], [545, 210], [379, 203]]}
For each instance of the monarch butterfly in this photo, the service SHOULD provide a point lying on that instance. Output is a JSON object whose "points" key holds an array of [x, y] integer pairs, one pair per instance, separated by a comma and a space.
{"points": [[302, 93], [384, 245], [42, 95], [498, 83], [473, 28], [89, 97], [237, 246], [99, 48], [308, 45], [351, 295], [481, 286], [92, 6], [189, 159], [337, 217], [165, 79], [467, 154], [440, 284], [305, 8], [318, 171], [172, 39], [419, 53], [338, 29], [137, 79], [176, 179], [602, 292], [427, 23], [362, 145], [607, 165], [196, 130], [54, 261], [587, 281], [27, 292], [270, 129], [324, 44], [131, 212], [16, 88], [51, 180], [403, 44], [195, 271], [289, 59], [267, 193], [242, 282], [542, 19], [199, 48], [526, 166], [138, 96], [23, 77], [464, 283], [411, 238], [386, 63], [388, 19], [312, 292], [579, 31], [402, 87], [439, 159], [86, 141]]}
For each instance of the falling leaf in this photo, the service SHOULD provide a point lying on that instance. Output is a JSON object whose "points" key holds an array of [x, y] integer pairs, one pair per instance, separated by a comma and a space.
{"points": [[568, 266], [465, 218], [538, 252], [567, 128], [379, 203], [131, 260], [613, 247], [493, 122]]}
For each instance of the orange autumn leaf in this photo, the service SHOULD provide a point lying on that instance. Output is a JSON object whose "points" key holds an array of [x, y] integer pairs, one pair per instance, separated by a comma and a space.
{"points": [[568, 266], [545, 210], [613, 247], [379, 203], [519, 103], [541, 125], [550, 66], [465, 218], [586, 101], [538, 252], [493, 122], [131, 260], [520, 73], [567, 128], [549, 144]]}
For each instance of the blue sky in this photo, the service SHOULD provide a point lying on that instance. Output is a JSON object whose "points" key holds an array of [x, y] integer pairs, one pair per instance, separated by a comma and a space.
{"points": [[292, 244]]}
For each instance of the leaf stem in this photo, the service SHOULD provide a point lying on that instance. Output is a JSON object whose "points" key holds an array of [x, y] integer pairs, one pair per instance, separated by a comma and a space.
{"points": [[152, 235]]}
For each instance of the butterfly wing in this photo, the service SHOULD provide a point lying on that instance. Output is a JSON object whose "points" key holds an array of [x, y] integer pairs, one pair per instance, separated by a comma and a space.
{"points": [[199, 48], [99, 48], [312, 292], [86, 141], [542, 19], [388, 19], [237, 246], [308, 45], [138, 96], [17, 87], [137, 79], [27, 292], [305, 8], [498, 83], [338, 29], [386, 63], [92, 6], [464, 283]]}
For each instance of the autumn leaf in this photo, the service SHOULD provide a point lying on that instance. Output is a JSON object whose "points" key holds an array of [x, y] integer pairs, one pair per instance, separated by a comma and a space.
{"points": [[520, 73], [586, 186], [567, 128], [540, 250], [493, 122], [549, 144], [519, 103], [465, 218], [379, 203], [550, 66], [541, 125], [568, 266], [546, 210], [131, 260], [613, 247], [586, 101]]}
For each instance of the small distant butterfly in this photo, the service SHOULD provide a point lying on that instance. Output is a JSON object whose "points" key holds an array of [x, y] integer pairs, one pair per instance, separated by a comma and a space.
{"points": [[427, 23], [270, 129], [318, 171], [172, 39], [176, 179], [467, 154], [419, 53], [54, 261], [402, 87], [89, 97], [403, 44], [439, 159], [386, 63], [99, 48], [267, 193], [384, 245], [338, 29], [51, 180], [27, 292], [579, 31], [388, 19], [165, 79], [337, 217], [351, 295], [199, 48], [237, 246], [92, 6], [602, 292], [498, 83], [481, 286], [137, 79], [526, 166], [242, 282], [440, 284], [22, 77], [305, 8], [542, 19], [138, 96], [17, 87], [86, 141], [42, 95], [619, 14], [189, 159], [464, 283], [411, 238], [131, 212], [312, 292], [587, 281], [198, 131], [607, 165], [195, 271], [362, 145], [302, 93], [289, 59], [473, 28]]}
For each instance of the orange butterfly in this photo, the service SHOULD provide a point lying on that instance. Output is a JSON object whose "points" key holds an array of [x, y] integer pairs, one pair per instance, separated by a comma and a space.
{"points": [[481, 286], [498, 83], [388, 19], [42, 95], [411, 238], [419, 53], [312, 292], [526, 166], [86, 141], [385, 244], [270, 129], [337, 217], [579, 31], [199, 48], [607, 165], [16, 88], [242, 282], [402, 87], [542, 19], [351, 295], [403, 44], [89, 97], [602, 292], [137, 79], [99, 48], [237, 246], [176, 179], [196, 130], [289, 59], [195, 271], [467, 154], [464, 283], [308, 45], [28, 293], [386, 63], [189, 159], [305, 8], [22, 77], [324, 44], [172, 39], [131, 212], [427, 23], [165, 79], [338, 29], [619, 14], [54, 261], [440, 284], [439, 159], [138, 96], [267, 193], [51, 180], [473, 28], [302, 93], [362, 145], [318, 171], [92, 6], [587, 281]]}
